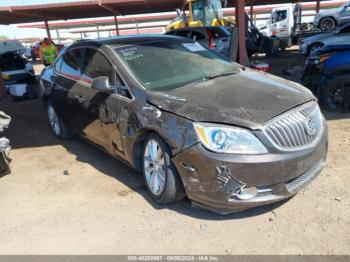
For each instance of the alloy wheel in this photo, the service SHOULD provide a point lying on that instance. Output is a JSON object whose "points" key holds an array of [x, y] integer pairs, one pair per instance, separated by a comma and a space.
{"points": [[327, 24], [154, 167], [336, 96], [53, 120]]}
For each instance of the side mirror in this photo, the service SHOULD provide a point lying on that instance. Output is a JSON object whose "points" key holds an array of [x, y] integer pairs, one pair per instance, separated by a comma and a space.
{"points": [[102, 83]]}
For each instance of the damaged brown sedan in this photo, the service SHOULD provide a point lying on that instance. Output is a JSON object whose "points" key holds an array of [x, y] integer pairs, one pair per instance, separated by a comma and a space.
{"points": [[194, 124]]}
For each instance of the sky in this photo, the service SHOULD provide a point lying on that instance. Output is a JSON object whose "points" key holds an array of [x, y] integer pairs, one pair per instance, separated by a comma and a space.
{"points": [[13, 32]]}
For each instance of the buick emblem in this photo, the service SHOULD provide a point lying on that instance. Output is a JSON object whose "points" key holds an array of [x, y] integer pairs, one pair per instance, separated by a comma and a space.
{"points": [[310, 126]]}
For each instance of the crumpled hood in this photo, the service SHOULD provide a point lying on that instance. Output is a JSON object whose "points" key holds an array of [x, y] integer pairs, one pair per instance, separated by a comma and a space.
{"points": [[248, 99]]}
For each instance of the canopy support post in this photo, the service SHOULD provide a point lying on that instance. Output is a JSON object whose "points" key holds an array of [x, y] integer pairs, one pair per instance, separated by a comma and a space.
{"points": [[318, 6], [116, 24], [98, 32], [240, 22], [47, 28], [58, 36]]}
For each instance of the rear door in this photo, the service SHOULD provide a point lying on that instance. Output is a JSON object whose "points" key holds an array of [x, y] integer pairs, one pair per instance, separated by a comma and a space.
{"points": [[67, 77]]}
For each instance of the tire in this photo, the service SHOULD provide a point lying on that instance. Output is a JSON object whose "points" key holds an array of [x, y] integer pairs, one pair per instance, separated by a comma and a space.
{"points": [[57, 126], [335, 95], [313, 48], [166, 188], [33, 57], [327, 24]]}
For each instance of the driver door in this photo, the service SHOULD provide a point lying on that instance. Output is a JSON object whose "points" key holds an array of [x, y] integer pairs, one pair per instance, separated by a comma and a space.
{"points": [[97, 110]]}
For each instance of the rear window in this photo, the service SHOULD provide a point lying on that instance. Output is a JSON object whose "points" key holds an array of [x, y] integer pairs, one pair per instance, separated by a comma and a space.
{"points": [[219, 32], [71, 64], [167, 65]]}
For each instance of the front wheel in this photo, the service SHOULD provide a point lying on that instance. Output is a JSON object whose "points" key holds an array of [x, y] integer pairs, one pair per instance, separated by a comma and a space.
{"points": [[313, 48], [336, 94], [59, 129], [161, 178]]}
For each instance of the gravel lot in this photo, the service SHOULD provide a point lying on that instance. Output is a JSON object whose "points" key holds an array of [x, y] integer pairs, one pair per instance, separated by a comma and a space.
{"points": [[101, 207]]}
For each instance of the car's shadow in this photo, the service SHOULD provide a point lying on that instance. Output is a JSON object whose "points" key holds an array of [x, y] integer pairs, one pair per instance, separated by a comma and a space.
{"points": [[29, 129], [86, 153]]}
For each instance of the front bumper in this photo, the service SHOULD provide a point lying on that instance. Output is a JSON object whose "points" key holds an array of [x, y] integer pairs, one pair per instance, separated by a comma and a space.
{"points": [[303, 49], [311, 76], [213, 180]]}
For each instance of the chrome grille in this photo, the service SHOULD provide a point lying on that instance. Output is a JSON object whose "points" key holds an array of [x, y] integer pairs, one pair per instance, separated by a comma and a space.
{"points": [[296, 129], [303, 180]]}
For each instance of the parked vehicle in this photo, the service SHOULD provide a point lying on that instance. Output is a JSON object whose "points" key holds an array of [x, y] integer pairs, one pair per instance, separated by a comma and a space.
{"points": [[188, 119], [285, 24], [4, 145], [326, 73], [198, 13], [14, 67], [328, 20], [337, 37], [216, 38]]}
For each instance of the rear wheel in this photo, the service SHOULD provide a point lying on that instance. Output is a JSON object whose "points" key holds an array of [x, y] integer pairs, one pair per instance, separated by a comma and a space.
{"points": [[336, 94], [59, 129], [161, 178], [327, 24]]}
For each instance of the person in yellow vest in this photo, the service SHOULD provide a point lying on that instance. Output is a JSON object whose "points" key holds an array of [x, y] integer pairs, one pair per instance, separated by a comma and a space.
{"points": [[47, 52]]}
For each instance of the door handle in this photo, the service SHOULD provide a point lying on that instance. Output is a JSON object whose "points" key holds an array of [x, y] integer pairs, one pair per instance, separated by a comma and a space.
{"points": [[79, 99]]}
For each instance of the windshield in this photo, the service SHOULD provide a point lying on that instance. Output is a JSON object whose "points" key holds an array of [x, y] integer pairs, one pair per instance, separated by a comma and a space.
{"points": [[278, 16], [166, 65], [207, 10]]}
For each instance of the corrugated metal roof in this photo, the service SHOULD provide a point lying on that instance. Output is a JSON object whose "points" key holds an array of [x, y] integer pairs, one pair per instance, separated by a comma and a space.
{"points": [[98, 8]]}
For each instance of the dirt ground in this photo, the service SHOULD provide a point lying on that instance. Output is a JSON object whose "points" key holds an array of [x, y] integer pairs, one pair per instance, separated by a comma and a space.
{"points": [[101, 206]]}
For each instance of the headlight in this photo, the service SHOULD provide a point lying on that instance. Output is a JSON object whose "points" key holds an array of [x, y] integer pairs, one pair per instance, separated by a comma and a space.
{"points": [[226, 139]]}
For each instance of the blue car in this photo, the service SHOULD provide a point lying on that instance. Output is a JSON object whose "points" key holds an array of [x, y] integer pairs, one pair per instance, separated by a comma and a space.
{"points": [[327, 75]]}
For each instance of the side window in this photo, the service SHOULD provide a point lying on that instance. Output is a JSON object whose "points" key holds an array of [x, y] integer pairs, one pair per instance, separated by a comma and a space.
{"points": [[58, 64], [71, 64], [95, 64], [279, 16], [122, 88], [196, 36], [184, 33]]}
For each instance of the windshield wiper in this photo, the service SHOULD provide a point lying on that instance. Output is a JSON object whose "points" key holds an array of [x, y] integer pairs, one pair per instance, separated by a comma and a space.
{"points": [[209, 77]]}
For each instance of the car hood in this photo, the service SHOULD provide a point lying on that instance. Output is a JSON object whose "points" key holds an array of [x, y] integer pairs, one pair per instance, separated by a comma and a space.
{"points": [[317, 38], [247, 99], [10, 46]]}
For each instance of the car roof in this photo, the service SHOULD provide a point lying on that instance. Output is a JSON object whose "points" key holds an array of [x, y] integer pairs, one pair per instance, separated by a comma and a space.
{"points": [[130, 40]]}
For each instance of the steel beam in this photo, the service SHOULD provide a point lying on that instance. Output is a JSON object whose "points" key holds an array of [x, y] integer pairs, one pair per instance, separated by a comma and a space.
{"points": [[116, 24], [240, 22], [318, 6], [47, 29]]}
